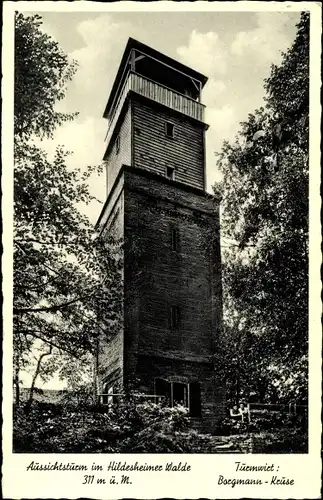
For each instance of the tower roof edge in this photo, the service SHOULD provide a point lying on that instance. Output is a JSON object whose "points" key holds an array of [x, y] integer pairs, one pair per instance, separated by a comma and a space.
{"points": [[134, 44]]}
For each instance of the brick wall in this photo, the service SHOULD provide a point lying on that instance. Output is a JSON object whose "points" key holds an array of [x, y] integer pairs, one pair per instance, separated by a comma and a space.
{"points": [[212, 391], [157, 277], [111, 342]]}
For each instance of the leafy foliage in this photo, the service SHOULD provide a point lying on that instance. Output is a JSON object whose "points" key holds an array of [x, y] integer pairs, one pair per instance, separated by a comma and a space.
{"points": [[129, 427], [67, 285], [41, 73], [265, 222], [58, 282]]}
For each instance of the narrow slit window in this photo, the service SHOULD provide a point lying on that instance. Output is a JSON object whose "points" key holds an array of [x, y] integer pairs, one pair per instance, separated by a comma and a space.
{"points": [[169, 129], [170, 173], [175, 318], [174, 239]]}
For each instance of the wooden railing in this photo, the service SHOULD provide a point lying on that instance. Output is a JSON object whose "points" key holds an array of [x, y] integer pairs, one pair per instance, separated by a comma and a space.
{"points": [[265, 408], [111, 398], [158, 93], [168, 97]]}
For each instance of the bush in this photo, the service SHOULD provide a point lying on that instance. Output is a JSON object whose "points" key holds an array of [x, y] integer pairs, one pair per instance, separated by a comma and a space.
{"points": [[262, 421], [127, 428], [134, 427], [79, 398], [283, 441], [57, 429]]}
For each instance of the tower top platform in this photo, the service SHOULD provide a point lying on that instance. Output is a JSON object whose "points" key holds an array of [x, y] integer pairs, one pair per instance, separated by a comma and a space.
{"points": [[156, 66]]}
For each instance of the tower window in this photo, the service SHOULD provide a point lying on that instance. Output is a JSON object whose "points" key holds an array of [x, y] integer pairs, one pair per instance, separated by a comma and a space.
{"points": [[169, 129], [118, 144], [174, 234], [185, 394], [170, 173], [180, 394], [175, 318], [163, 388]]}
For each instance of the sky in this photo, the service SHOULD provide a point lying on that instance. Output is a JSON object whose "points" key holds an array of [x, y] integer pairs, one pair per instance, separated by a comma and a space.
{"points": [[233, 49]]}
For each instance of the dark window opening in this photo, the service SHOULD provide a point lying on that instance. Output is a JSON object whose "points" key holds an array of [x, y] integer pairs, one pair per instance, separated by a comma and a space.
{"points": [[170, 173], [169, 129], [174, 239], [117, 144], [163, 388], [180, 394], [185, 394], [195, 399], [175, 318]]}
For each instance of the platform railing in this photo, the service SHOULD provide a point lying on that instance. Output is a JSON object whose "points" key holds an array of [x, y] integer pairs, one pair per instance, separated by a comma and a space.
{"points": [[158, 93], [111, 398], [260, 409]]}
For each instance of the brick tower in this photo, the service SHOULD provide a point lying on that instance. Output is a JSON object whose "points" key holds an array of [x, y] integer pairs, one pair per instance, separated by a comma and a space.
{"points": [[156, 201]]}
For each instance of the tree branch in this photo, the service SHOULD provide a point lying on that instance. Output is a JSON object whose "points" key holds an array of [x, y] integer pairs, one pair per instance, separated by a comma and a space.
{"points": [[51, 343], [40, 242], [22, 310], [37, 371]]}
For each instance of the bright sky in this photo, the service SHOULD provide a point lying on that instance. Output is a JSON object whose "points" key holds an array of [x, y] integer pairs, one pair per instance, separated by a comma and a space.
{"points": [[234, 49]]}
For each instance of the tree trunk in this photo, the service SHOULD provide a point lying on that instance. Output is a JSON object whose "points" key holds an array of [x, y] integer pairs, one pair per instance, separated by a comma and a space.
{"points": [[16, 382], [96, 398], [33, 383], [238, 383], [238, 369]]}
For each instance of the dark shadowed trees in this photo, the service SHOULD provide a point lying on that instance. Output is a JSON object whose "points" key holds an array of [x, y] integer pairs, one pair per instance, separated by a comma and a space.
{"points": [[265, 226], [63, 277]]}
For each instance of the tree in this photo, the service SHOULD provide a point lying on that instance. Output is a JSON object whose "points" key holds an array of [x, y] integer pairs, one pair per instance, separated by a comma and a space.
{"points": [[42, 71], [265, 221], [62, 276]]}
